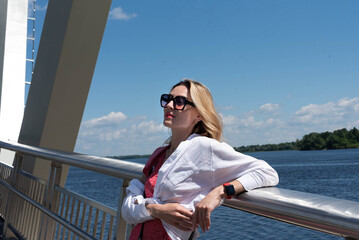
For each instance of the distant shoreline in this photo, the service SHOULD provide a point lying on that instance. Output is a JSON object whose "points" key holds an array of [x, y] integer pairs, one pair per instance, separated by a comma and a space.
{"points": [[126, 157], [338, 139], [295, 150]]}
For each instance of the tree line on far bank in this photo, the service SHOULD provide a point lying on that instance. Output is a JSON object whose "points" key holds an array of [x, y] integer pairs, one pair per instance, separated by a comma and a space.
{"points": [[338, 139]]}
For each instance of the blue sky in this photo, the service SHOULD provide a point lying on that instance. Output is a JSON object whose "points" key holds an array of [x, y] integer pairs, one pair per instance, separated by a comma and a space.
{"points": [[277, 69]]}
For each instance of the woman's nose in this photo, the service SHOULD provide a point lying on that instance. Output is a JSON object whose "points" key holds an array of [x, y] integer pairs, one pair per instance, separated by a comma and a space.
{"points": [[170, 104]]}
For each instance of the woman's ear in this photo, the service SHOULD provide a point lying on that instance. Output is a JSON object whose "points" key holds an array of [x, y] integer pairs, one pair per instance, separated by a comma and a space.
{"points": [[197, 119]]}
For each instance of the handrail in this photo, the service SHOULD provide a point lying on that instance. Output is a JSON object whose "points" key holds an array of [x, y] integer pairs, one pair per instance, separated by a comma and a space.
{"points": [[330, 215], [108, 166]]}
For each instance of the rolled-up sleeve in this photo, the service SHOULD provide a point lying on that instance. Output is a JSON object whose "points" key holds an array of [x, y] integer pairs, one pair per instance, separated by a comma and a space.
{"points": [[134, 205], [229, 165]]}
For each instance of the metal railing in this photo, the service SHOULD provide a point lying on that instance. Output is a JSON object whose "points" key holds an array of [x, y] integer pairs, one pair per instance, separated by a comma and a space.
{"points": [[77, 216], [34, 208]]}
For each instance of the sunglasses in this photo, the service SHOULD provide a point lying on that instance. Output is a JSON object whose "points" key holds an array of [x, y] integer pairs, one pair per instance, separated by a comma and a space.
{"points": [[179, 102]]}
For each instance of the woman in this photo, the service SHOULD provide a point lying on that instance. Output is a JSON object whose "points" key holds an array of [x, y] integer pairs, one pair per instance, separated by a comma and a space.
{"points": [[187, 179]]}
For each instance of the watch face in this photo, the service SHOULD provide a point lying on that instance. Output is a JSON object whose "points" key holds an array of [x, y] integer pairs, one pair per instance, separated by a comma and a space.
{"points": [[229, 190]]}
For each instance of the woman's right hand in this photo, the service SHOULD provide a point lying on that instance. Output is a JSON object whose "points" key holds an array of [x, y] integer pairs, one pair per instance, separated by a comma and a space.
{"points": [[172, 213]]}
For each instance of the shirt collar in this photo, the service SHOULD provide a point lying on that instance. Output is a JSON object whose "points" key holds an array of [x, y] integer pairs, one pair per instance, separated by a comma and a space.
{"points": [[193, 136]]}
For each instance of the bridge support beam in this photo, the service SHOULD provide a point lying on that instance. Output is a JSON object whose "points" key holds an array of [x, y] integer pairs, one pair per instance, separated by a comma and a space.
{"points": [[65, 63], [66, 59]]}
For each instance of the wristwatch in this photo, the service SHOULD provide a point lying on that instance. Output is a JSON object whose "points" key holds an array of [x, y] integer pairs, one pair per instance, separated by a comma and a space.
{"points": [[229, 190]]}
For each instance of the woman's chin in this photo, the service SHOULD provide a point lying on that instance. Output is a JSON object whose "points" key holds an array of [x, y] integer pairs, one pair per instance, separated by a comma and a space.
{"points": [[167, 123]]}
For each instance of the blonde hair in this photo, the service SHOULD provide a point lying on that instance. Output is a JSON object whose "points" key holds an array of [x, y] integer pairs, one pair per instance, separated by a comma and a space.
{"points": [[211, 122]]}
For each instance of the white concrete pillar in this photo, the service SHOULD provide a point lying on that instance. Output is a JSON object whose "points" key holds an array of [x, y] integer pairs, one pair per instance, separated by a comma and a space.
{"points": [[13, 31]]}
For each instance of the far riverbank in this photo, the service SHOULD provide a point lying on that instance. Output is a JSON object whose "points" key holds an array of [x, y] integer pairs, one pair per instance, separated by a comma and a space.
{"points": [[339, 139]]}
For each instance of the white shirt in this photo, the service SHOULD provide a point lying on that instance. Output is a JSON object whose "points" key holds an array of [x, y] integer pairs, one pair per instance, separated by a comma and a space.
{"points": [[198, 165]]}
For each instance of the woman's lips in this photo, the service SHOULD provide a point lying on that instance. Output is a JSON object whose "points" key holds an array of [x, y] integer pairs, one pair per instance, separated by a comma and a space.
{"points": [[168, 115]]}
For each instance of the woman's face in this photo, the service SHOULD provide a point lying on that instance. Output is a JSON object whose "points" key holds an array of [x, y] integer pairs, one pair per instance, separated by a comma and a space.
{"points": [[183, 120]]}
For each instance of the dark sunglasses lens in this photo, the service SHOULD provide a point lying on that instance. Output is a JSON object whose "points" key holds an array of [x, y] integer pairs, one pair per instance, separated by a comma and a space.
{"points": [[165, 98], [179, 102]]}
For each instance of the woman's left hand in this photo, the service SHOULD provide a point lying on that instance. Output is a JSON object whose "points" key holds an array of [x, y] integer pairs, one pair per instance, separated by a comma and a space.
{"points": [[202, 214]]}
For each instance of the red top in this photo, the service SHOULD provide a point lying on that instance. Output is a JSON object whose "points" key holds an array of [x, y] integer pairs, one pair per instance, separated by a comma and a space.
{"points": [[153, 229]]}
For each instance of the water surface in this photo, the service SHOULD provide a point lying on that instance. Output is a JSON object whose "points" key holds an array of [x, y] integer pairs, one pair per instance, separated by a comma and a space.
{"points": [[332, 173]]}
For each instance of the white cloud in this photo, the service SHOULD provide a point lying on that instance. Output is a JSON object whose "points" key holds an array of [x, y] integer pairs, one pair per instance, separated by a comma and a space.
{"points": [[118, 134], [332, 112], [228, 108], [229, 120], [149, 127], [112, 118], [349, 104], [119, 14], [269, 107], [266, 125], [255, 127], [249, 122], [264, 116]]}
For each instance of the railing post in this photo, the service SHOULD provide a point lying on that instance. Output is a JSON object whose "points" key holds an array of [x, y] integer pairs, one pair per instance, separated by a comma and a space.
{"points": [[121, 225], [50, 202], [9, 213]]}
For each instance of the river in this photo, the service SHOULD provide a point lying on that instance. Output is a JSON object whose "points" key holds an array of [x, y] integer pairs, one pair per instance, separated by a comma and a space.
{"points": [[332, 173]]}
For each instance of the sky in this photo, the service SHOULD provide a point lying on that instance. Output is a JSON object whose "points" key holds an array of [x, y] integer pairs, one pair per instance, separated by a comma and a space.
{"points": [[277, 70]]}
